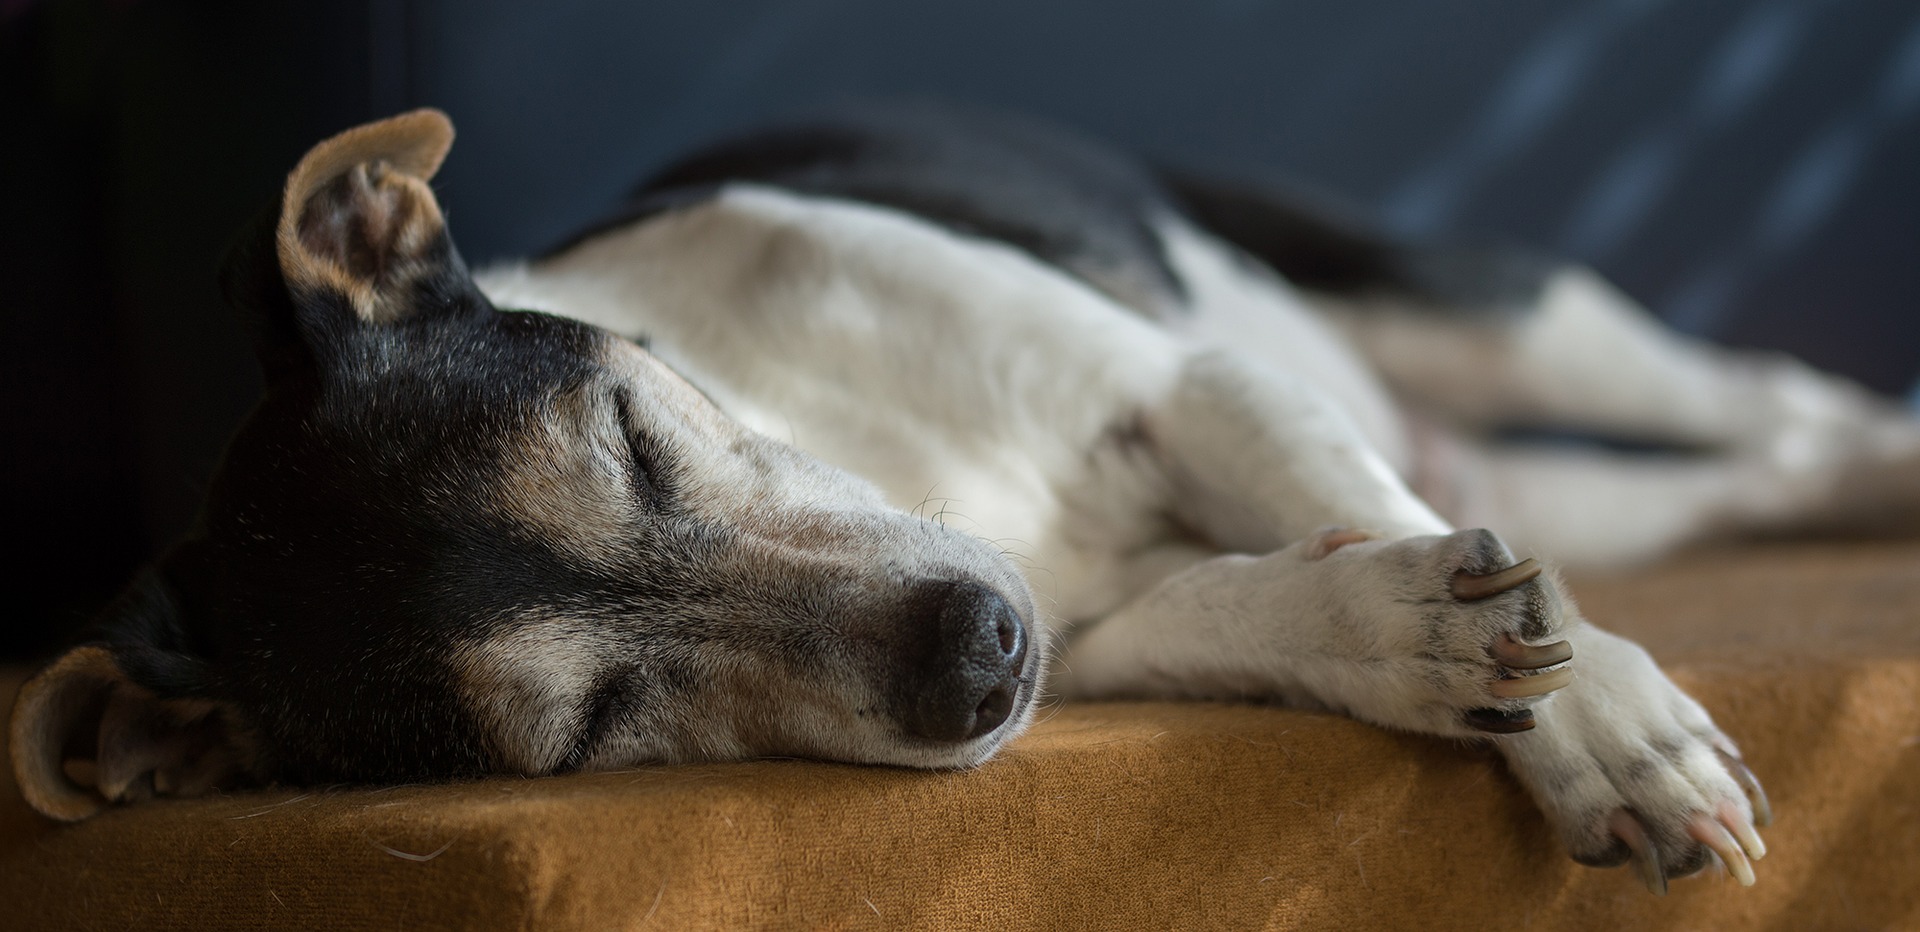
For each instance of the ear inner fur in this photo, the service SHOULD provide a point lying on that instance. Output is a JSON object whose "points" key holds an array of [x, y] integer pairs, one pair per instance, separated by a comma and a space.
{"points": [[381, 168], [45, 712], [148, 747]]}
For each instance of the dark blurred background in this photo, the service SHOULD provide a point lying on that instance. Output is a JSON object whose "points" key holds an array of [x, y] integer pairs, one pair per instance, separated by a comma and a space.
{"points": [[1749, 168]]}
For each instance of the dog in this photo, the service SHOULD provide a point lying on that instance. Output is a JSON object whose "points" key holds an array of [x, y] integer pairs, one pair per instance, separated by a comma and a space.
{"points": [[836, 434]]}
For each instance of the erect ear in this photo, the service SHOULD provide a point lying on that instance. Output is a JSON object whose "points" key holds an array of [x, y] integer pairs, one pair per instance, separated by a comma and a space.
{"points": [[87, 733], [358, 220]]}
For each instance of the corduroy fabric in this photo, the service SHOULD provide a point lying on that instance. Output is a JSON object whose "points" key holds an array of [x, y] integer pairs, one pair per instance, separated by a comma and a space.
{"points": [[1109, 815]]}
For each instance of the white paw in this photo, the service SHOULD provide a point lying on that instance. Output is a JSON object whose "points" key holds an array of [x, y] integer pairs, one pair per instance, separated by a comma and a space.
{"points": [[1459, 639], [1627, 767]]}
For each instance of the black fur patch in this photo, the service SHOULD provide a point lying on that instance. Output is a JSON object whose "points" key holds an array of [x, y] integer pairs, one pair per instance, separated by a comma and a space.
{"points": [[1088, 209], [346, 543], [1321, 247], [1064, 200]]}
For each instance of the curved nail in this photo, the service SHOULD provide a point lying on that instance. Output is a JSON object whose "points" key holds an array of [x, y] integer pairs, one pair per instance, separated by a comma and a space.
{"points": [[1539, 684], [1468, 587], [1735, 821], [1646, 858], [1712, 834], [1498, 722], [1749, 784], [1518, 656]]}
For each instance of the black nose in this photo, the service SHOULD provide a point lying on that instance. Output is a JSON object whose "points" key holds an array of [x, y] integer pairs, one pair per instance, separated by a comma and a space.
{"points": [[962, 679]]}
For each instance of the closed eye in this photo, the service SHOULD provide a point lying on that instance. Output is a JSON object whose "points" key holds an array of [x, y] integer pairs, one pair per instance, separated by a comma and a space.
{"points": [[600, 711], [645, 458]]}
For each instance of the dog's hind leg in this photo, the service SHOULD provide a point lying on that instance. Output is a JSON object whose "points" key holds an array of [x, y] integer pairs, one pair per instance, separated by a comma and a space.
{"points": [[1765, 443], [1595, 507], [1488, 335], [1582, 355], [1404, 625]]}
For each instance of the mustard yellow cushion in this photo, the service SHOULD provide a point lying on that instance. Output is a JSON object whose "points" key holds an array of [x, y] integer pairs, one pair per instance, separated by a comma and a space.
{"points": [[1120, 815]]}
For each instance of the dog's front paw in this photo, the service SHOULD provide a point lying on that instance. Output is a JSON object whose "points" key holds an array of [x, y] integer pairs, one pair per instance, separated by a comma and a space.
{"points": [[1626, 766], [1471, 640], [1629, 768]]}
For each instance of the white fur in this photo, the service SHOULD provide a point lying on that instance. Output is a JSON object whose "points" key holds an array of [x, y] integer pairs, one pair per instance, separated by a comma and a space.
{"points": [[858, 334], [964, 375], [1782, 446], [1240, 305]]}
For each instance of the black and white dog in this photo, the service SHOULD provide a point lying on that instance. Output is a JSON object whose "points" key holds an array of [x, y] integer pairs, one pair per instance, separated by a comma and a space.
{"points": [[672, 507]]}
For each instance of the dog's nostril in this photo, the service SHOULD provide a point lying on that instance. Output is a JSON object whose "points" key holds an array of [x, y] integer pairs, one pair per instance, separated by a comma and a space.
{"points": [[1013, 637], [993, 710]]}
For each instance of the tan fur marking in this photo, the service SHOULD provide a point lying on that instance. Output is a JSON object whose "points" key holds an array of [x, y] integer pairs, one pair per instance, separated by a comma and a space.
{"points": [[384, 167], [566, 473], [668, 390], [525, 687], [563, 476]]}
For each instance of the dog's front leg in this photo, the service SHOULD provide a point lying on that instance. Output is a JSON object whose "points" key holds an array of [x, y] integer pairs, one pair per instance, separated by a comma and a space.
{"points": [[1256, 459], [1408, 626], [1402, 633], [1405, 634]]}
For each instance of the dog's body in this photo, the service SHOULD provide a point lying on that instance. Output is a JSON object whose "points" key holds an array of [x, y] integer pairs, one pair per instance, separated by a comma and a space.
{"points": [[1173, 419]]}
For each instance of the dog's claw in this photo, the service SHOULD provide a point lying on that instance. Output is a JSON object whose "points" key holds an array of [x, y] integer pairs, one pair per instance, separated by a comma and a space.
{"points": [[1468, 587], [1646, 858], [1714, 835], [1539, 684], [1743, 830], [1750, 784], [1513, 654]]}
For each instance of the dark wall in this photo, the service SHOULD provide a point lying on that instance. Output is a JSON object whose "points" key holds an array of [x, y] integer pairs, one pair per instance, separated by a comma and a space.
{"points": [[1748, 167], [138, 137]]}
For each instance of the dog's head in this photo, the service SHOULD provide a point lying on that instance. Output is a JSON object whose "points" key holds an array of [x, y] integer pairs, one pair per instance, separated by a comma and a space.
{"points": [[452, 540]]}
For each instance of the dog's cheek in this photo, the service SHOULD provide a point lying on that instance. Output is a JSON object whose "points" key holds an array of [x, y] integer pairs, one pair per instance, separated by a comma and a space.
{"points": [[528, 689]]}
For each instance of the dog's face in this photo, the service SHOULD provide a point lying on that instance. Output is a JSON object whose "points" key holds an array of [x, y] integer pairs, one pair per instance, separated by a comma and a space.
{"points": [[454, 540]]}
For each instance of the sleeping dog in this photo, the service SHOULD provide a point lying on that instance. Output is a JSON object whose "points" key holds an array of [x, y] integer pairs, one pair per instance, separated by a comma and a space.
{"points": [[837, 434]]}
